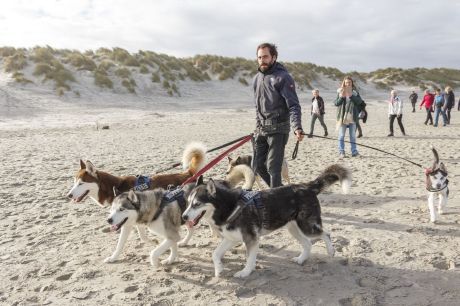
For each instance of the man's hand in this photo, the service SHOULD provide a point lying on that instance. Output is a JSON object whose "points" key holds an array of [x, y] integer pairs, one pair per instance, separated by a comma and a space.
{"points": [[299, 134]]}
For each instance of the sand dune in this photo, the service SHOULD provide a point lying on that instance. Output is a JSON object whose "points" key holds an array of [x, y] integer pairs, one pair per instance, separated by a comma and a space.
{"points": [[388, 253]]}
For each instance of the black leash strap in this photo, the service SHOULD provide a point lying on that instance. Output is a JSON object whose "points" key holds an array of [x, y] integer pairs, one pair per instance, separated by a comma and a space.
{"points": [[227, 144], [211, 150], [359, 144], [296, 149]]}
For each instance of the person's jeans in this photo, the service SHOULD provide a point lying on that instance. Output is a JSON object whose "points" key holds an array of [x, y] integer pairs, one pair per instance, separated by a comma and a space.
{"points": [[268, 157], [352, 131], [437, 111], [321, 120], [428, 116]]}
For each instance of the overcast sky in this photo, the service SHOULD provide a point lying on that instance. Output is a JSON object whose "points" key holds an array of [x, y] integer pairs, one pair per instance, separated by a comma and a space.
{"points": [[360, 35]]}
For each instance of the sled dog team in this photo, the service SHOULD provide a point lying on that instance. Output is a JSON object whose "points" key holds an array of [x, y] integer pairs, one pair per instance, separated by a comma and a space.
{"points": [[236, 214]]}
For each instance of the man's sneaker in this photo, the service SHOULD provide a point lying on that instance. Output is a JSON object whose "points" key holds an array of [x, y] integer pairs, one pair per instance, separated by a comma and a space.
{"points": [[310, 135], [390, 135], [355, 154], [342, 155], [325, 133]]}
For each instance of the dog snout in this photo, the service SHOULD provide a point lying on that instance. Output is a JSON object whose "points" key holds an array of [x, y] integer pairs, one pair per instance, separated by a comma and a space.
{"points": [[438, 186], [184, 217], [70, 196], [110, 220]]}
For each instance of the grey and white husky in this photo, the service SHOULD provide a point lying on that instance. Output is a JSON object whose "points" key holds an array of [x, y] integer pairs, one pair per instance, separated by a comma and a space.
{"points": [[162, 218], [239, 219], [437, 184]]}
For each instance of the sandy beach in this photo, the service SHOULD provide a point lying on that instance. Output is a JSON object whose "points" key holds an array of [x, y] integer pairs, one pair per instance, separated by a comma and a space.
{"points": [[387, 251]]}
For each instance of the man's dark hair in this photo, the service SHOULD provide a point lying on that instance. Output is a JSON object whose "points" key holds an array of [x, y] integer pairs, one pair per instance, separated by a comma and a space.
{"points": [[271, 47]]}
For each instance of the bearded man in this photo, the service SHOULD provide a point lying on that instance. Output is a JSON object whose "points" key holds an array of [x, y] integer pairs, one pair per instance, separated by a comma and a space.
{"points": [[277, 110]]}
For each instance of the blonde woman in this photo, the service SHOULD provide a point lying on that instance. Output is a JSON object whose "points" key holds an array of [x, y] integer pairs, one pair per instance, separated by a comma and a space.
{"points": [[348, 101]]}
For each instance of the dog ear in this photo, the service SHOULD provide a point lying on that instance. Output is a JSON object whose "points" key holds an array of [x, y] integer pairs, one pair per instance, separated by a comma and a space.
{"points": [[82, 165], [229, 159], [211, 188], [238, 160], [116, 192], [132, 196], [91, 169], [442, 167], [199, 181]]}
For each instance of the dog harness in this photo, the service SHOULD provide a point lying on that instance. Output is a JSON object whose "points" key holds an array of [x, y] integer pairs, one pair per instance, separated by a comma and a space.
{"points": [[247, 198], [428, 172], [142, 183], [176, 194]]}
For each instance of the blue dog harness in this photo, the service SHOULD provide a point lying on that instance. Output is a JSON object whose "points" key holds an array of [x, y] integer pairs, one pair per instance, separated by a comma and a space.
{"points": [[170, 196], [247, 198], [251, 197], [142, 183]]}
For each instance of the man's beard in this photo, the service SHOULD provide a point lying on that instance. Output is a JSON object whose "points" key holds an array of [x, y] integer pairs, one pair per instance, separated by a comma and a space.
{"points": [[265, 67]]}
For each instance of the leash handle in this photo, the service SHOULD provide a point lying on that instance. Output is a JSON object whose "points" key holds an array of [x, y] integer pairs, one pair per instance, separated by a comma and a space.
{"points": [[218, 159]]}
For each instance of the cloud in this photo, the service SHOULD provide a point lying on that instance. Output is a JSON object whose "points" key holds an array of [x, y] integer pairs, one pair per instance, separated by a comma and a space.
{"points": [[353, 35]]}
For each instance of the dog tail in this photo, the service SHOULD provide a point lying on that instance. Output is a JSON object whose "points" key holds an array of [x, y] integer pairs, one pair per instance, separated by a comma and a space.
{"points": [[436, 156], [240, 173], [194, 157], [329, 176]]}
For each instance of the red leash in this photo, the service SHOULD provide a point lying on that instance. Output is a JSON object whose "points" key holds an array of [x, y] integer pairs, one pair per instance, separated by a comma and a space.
{"points": [[217, 159]]}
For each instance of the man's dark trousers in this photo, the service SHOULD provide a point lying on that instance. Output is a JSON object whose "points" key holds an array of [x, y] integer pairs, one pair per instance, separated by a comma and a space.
{"points": [[268, 157]]}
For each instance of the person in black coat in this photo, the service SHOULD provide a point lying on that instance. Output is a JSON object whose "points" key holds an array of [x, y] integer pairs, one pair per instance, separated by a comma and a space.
{"points": [[449, 98]]}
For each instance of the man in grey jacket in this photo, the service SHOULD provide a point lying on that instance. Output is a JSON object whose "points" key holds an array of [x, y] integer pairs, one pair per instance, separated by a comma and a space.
{"points": [[277, 109]]}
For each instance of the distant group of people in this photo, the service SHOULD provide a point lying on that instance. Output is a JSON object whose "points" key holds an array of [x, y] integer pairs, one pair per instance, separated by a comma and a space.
{"points": [[278, 111], [440, 104]]}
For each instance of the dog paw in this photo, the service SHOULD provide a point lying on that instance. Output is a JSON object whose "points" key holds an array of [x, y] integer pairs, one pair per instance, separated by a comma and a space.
{"points": [[182, 243], [242, 274], [299, 260], [110, 259], [441, 212], [218, 268], [167, 261], [154, 262]]}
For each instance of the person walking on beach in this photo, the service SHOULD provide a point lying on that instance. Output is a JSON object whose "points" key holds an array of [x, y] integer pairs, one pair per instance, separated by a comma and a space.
{"points": [[439, 108], [317, 112], [277, 108], [395, 107], [450, 101], [347, 100], [427, 101], [413, 100]]}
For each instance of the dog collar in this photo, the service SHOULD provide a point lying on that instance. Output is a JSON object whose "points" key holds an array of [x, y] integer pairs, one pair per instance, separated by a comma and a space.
{"points": [[437, 190]]}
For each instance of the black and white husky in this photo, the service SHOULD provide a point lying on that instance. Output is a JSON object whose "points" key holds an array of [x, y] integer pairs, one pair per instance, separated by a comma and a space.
{"points": [[241, 216], [437, 184], [161, 215]]}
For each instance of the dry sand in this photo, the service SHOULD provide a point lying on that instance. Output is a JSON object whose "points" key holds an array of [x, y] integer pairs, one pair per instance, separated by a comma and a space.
{"points": [[388, 253]]}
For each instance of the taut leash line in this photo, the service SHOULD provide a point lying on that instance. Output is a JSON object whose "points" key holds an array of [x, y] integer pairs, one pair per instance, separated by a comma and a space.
{"points": [[296, 149]]}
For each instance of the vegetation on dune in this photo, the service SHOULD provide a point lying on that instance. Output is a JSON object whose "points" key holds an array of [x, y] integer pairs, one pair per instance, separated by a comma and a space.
{"points": [[106, 65]]}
